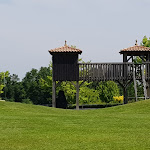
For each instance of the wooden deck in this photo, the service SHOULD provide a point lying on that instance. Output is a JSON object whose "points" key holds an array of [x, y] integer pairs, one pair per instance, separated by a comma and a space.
{"points": [[113, 71]]}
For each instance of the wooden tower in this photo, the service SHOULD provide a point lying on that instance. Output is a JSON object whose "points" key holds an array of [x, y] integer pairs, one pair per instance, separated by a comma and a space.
{"points": [[144, 53], [65, 67]]}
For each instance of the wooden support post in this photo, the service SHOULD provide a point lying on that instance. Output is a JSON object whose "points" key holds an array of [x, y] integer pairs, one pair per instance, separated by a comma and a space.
{"points": [[134, 81], [148, 89], [125, 58], [125, 95], [54, 94], [144, 82], [77, 95]]}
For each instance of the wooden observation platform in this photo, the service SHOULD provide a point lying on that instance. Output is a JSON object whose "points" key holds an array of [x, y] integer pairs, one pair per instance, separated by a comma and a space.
{"points": [[66, 68]]}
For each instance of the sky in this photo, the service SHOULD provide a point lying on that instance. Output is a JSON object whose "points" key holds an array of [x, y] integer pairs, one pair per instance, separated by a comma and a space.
{"points": [[100, 28]]}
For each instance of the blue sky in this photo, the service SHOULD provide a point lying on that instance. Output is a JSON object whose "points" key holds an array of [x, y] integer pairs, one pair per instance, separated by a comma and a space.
{"points": [[100, 28]]}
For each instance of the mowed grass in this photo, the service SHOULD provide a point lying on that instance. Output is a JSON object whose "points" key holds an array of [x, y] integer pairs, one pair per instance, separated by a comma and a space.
{"points": [[30, 127]]}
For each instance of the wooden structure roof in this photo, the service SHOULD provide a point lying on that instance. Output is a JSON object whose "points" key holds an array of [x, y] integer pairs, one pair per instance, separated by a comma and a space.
{"points": [[135, 48], [65, 49]]}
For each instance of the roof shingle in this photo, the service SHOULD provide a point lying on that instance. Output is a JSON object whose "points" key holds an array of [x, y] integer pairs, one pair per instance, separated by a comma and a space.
{"points": [[65, 49], [135, 48]]}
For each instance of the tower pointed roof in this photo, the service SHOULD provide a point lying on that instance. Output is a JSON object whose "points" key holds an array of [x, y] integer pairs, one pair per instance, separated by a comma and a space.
{"points": [[135, 48], [65, 49]]}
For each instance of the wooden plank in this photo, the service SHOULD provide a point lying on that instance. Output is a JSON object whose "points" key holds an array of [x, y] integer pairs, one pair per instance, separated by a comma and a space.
{"points": [[77, 95], [144, 82], [114, 72], [125, 95], [83, 71], [54, 94], [106, 72], [86, 72], [134, 81], [98, 77], [120, 72], [91, 68]]}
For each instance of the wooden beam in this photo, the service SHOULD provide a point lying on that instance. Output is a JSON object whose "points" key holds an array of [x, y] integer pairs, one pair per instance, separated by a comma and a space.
{"points": [[54, 94], [125, 58], [76, 85], [129, 58], [124, 86], [81, 83], [77, 95], [144, 82], [143, 58], [134, 81], [73, 84], [125, 93]]}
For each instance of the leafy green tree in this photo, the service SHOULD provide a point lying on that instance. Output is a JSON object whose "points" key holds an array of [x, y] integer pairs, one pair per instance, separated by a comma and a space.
{"points": [[140, 91], [145, 42], [19, 92], [137, 60], [69, 91], [35, 85], [87, 94], [46, 88], [107, 90], [3, 75], [14, 90]]}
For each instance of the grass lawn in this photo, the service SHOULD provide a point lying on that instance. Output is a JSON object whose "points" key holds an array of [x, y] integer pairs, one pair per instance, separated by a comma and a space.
{"points": [[30, 127]]}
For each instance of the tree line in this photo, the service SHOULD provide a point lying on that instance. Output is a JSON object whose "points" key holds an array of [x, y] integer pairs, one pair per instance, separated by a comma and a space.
{"points": [[36, 88]]}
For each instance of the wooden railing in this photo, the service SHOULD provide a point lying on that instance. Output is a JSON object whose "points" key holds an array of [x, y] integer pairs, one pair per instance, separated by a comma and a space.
{"points": [[113, 71]]}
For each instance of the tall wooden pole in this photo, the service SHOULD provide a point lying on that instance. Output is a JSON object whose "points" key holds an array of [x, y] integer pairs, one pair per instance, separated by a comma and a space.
{"points": [[77, 95], [134, 81], [148, 73], [54, 94], [125, 95], [144, 82], [125, 76]]}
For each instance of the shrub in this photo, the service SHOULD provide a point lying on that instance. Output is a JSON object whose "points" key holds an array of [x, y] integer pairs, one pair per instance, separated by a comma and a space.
{"points": [[10, 100], [107, 90], [118, 99], [27, 101]]}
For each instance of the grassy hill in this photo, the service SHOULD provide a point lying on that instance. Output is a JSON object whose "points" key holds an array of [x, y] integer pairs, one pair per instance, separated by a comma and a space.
{"points": [[30, 127]]}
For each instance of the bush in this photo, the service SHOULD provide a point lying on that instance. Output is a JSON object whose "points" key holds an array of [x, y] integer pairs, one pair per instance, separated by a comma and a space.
{"points": [[107, 90], [27, 101], [118, 99], [10, 99]]}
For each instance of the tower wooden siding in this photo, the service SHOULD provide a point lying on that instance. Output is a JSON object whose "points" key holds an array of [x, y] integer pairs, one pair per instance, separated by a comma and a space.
{"points": [[65, 67]]}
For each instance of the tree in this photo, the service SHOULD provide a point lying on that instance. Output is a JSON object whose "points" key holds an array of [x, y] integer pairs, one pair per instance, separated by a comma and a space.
{"points": [[107, 90], [3, 75], [137, 60], [14, 89], [88, 94], [36, 85], [69, 91], [145, 42]]}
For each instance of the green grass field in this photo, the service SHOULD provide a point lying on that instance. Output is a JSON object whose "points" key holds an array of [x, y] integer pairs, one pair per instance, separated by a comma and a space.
{"points": [[30, 127]]}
